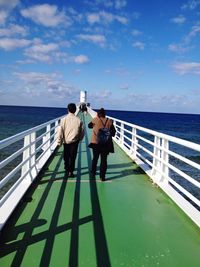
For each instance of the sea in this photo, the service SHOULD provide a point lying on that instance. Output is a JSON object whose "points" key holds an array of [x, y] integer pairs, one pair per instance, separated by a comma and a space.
{"points": [[15, 119]]}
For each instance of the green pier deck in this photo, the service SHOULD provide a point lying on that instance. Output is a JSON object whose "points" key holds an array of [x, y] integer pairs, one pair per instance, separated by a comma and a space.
{"points": [[126, 221]]}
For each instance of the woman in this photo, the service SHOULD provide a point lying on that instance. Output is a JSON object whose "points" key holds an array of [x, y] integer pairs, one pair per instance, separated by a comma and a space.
{"points": [[101, 149]]}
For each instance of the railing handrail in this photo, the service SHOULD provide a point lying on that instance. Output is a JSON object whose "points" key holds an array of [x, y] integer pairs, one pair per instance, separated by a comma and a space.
{"points": [[14, 138], [173, 139], [34, 150]]}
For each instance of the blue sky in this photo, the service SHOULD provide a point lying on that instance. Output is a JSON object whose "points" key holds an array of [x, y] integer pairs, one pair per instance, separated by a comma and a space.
{"points": [[127, 54]]}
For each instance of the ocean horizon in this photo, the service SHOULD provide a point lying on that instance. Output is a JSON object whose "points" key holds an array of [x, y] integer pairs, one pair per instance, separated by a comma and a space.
{"points": [[15, 119], [123, 110]]}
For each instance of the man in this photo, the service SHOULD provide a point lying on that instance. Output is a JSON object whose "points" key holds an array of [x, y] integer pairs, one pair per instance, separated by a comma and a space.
{"points": [[70, 132]]}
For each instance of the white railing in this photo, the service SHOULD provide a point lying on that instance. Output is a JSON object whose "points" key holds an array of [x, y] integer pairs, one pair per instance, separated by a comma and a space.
{"points": [[163, 158], [27, 152]]}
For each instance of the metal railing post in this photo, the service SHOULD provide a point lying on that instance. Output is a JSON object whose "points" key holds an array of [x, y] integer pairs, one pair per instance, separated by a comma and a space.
{"points": [[56, 130], [32, 153], [134, 143], [26, 154], [122, 134], [165, 160], [156, 162]]}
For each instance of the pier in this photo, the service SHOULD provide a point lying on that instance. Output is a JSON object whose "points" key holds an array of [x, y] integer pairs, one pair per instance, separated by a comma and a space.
{"points": [[128, 220]]}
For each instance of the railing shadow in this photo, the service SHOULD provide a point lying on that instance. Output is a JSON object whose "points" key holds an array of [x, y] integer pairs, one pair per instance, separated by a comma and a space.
{"points": [[101, 247], [11, 231], [10, 245], [73, 254]]}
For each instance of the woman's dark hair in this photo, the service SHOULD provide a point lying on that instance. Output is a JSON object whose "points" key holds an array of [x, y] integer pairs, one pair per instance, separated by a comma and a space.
{"points": [[71, 108], [101, 113]]}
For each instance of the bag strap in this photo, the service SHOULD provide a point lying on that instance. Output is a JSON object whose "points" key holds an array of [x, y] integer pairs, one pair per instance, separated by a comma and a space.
{"points": [[104, 124]]}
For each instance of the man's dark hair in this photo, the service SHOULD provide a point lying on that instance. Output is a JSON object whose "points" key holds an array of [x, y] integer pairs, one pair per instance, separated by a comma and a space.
{"points": [[71, 108]]}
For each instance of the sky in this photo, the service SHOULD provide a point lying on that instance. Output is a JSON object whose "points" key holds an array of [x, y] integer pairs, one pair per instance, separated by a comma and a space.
{"points": [[140, 55]]}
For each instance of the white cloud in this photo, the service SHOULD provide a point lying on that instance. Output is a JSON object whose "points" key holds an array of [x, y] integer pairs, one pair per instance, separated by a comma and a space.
{"points": [[101, 94], [42, 52], [13, 43], [187, 68], [93, 38], [178, 48], [33, 78], [136, 32], [105, 93], [46, 15], [103, 17], [5, 8], [13, 30], [43, 48], [178, 20], [186, 43], [139, 45], [120, 3], [46, 82], [81, 59], [192, 4], [121, 71], [157, 102], [117, 4], [9, 4], [122, 20], [49, 53], [93, 18], [193, 33], [124, 87], [3, 17]]}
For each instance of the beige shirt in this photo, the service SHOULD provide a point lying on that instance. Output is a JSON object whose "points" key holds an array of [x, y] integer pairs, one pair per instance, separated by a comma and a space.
{"points": [[70, 130]]}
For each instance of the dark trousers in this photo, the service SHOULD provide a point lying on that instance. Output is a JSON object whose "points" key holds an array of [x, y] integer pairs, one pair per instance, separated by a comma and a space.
{"points": [[103, 164], [70, 152]]}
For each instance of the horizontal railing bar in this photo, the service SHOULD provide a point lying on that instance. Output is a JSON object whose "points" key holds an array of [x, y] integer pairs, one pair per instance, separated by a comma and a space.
{"points": [[8, 193], [42, 154], [147, 141], [181, 173], [188, 161], [10, 175], [147, 151], [161, 135], [21, 150], [174, 154], [12, 139], [13, 156], [184, 191], [184, 175], [144, 159]]}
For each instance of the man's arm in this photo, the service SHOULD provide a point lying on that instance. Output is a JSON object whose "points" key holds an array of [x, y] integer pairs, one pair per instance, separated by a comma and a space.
{"points": [[60, 135]]}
